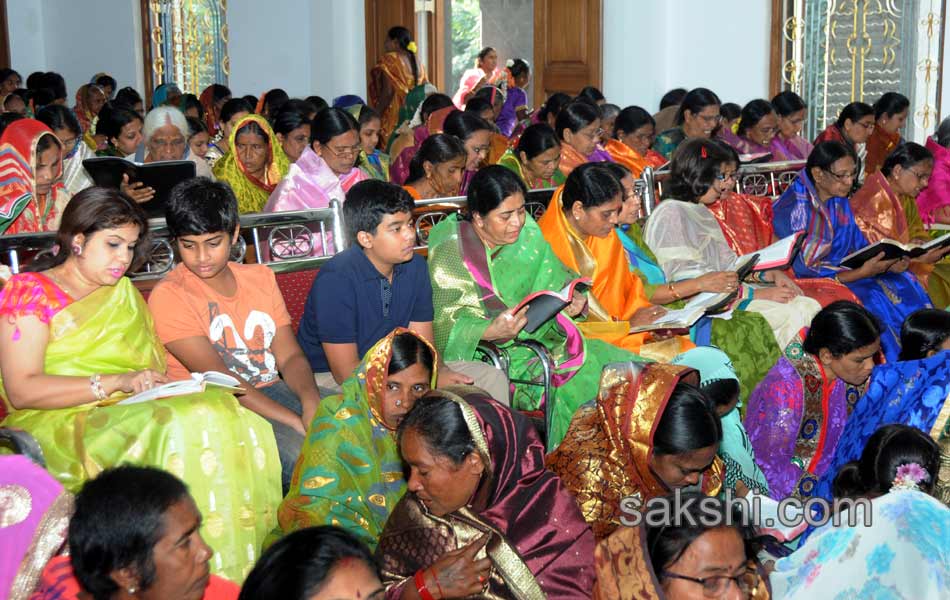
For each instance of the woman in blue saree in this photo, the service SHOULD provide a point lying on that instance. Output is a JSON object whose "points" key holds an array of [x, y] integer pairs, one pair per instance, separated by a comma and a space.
{"points": [[817, 203], [911, 392]]}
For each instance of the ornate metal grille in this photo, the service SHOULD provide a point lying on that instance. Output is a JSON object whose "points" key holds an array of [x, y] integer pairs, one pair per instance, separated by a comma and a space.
{"points": [[189, 40]]}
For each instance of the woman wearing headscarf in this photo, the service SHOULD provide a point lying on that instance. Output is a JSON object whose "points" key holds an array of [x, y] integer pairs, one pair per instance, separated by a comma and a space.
{"points": [[32, 196], [255, 165], [482, 515]]}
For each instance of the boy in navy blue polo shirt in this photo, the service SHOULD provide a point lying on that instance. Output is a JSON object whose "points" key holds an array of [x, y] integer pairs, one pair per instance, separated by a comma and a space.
{"points": [[372, 287]]}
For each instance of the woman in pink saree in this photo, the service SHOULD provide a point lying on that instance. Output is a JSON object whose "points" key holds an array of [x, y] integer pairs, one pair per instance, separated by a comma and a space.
{"points": [[326, 169]]}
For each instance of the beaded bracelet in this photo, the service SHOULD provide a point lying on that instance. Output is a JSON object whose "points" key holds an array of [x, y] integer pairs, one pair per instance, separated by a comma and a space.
{"points": [[424, 592], [95, 382]]}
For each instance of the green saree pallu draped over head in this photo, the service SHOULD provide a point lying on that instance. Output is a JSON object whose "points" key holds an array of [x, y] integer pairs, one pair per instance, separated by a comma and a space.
{"points": [[472, 284], [225, 453], [349, 472]]}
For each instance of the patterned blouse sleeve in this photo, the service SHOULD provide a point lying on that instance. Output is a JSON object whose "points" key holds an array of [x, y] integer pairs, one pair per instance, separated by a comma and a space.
{"points": [[31, 295]]}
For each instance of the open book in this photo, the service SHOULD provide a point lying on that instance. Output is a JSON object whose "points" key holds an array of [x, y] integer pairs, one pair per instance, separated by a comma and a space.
{"points": [[776, 256], [107, 171], [893, 250], [198, 383], [544, 305]]}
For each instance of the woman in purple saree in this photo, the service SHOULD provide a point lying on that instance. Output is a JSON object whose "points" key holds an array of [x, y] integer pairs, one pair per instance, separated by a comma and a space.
{"points": [[482, 515]]}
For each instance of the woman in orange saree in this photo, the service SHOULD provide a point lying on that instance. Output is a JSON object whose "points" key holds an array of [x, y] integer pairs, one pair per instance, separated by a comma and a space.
{"points": [[579, 225], [890, 114], [633, 134], [886, 207], [396, 73], [746, 223], [646, 417]]}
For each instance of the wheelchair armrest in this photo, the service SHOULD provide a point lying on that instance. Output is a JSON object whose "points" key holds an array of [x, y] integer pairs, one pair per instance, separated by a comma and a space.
{"points": [[547, 367], [498, 357], [22, 443]]}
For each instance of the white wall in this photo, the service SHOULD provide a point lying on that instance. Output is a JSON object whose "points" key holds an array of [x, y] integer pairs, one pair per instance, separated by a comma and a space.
{"points": [[304, 46], [652, 47]]}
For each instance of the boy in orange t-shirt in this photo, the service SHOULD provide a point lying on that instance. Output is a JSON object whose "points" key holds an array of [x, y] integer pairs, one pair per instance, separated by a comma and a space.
{"points": [[215, 315]]}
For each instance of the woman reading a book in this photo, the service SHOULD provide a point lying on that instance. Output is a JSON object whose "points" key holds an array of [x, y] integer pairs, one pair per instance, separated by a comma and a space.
{"points": [[796, 414], [75, 336], [436, 169], [648, 432], [33, 196], [886, 208], [817, 203], [746, 223], [788, 143], [536, 157], [579, 225], [482, 266], [686, 239], [349, 472], [745, 337], [578, 128], [758, 125], [255, 164]]}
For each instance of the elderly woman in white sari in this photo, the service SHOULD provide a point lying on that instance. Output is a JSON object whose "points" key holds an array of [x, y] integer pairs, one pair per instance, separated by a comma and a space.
{"points": [[66, 126], [688, 242]]}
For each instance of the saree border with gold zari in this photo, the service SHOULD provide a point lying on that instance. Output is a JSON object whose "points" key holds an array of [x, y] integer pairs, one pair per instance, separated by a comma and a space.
{"points": [[746, 223], [471, 285], [606, 452], [617, 292], [349, 472], [226, 454], [537, 538], [625, 572]]}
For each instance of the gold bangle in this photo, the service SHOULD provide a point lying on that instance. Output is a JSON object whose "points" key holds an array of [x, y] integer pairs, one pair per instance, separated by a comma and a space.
{"points": [[673, 291]]}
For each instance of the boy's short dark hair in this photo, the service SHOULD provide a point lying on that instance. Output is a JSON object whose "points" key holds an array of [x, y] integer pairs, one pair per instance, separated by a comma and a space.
{"points": [[369, 201], [199, 206]]}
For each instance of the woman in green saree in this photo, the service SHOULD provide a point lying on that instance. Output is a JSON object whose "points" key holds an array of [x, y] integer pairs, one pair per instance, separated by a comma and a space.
{"points": [[349, 473], [76, 337], [481, 267]]}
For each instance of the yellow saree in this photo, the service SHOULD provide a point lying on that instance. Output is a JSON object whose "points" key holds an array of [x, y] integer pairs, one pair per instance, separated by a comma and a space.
{"points": [[617, 292], [226, 454]]}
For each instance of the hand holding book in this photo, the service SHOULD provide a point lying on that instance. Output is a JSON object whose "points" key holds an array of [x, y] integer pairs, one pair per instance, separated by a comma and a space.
{"points": [[507, 325]]}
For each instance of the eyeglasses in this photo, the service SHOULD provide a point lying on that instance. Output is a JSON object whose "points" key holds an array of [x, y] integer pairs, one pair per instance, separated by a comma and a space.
{"points": [[711, 119], [734, 176], [346, 151], [767, 130], [868, 126], [716, 586], [481, 150], [849, 176], [919, 176], [594, 135]]}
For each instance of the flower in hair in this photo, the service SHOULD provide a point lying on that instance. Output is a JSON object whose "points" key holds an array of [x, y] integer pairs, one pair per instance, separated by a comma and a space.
{"points": [[411, 47], [909, 477]]}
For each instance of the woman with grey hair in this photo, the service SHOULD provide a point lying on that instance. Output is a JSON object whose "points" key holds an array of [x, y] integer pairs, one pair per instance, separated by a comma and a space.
{"points": [[165, 134]]}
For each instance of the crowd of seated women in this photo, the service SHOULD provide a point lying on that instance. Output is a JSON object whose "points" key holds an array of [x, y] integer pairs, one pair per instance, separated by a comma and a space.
{"points": [[371, 454]]}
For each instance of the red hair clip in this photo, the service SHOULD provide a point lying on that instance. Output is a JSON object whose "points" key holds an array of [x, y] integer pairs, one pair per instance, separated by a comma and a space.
{"points": [[702, 151]]}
